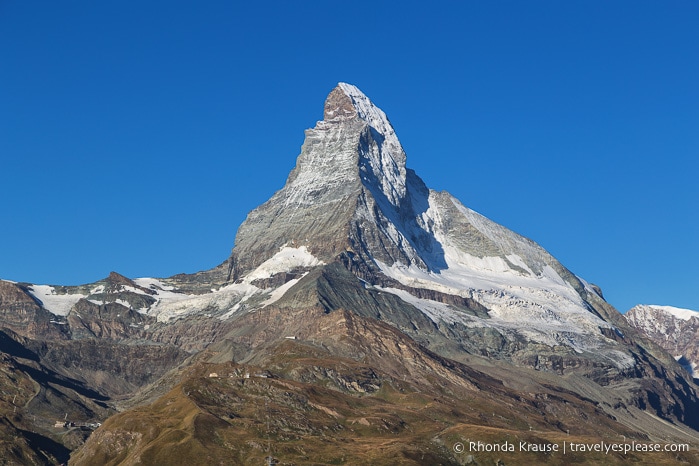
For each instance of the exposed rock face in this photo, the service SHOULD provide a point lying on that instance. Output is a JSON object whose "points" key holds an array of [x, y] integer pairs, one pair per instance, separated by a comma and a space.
{"points": [[116, 283], [339, 106], [111, 321], [15, 299], [675, 330], [23, 313], [113, 370], [117, 288]]}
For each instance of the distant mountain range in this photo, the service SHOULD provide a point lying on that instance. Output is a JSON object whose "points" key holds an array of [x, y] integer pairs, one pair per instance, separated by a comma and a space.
{"points": [[362, 318], [675, 329]]}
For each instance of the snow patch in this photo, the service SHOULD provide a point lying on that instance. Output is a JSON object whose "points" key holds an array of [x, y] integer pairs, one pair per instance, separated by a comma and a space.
{"points": [[684, 314], [277, 294], [547, 330], [231, 298], [436, 311], [286, 259], [152, 284], [386, 159], [58, 304], [521, 289]]}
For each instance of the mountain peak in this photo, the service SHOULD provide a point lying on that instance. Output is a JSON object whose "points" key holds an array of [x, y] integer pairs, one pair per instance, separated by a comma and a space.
{"points": [[347, 102], [339, 105], [350, 160], [381, 155]]}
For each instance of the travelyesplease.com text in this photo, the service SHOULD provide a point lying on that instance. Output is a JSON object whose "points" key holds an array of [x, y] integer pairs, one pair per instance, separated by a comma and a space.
{"points": [[573, 447]]}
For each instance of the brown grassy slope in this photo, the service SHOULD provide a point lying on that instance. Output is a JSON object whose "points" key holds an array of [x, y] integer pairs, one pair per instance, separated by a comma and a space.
{"points": [[392, 402], [233, 420]]}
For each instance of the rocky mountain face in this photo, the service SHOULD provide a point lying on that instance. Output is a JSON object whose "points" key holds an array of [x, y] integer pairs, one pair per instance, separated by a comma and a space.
{"points": [[356, 304], [351, 199], [71, 353], [675, 330]]}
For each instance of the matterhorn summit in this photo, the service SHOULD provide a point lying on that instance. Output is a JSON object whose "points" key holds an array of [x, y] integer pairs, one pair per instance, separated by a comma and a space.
{"points": [[350, 173], [351, 199]]}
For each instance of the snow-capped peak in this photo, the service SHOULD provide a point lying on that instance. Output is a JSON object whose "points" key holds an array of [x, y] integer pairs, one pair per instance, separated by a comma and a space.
{"points": [[679, 313], [370, 113], [381, 156]]}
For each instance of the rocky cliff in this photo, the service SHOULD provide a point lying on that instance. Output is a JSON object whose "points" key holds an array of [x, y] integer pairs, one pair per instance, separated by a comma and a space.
{"points": [[675, 330]]}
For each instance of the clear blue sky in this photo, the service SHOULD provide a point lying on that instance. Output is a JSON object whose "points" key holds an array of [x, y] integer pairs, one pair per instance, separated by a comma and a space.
{"points": [[135, 136]]}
